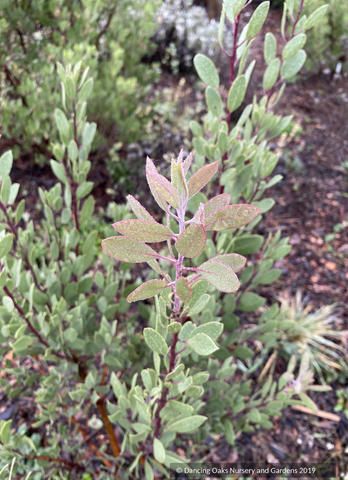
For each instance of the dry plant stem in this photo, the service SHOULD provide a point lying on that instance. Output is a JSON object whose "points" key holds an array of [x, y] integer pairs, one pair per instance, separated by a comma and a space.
{"points": [[108, 427], [30, 326]]}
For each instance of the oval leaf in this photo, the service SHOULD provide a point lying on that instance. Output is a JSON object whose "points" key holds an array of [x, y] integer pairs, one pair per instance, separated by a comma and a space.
{"points": [[250, 302], [291, 67], [187, 425], [214, 102], [192, 241], [128, 250], [271, 74], [316, 16], [233, 216], [155, 341], [147, 290], [221, 276], [143, 230], [183, 291], [212, 329], [293, 46], [159, 451], [206, 70], [236, 94], [233, 260], [257, 20], [202, 344], [270, 48], [201, 178], [6, 161]]}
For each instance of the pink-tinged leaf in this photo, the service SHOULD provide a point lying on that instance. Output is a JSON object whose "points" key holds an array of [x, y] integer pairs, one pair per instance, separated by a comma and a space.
{"points": [[232, 260], [154, 265], [147, 290], [143, 230], [128, 250], [178, 177], [138, 210], [201, 178], [192, 241], [164, 188], [220, 275], [187, 164], [183, 290], [215, 204], [150, 168], [233, 216]]}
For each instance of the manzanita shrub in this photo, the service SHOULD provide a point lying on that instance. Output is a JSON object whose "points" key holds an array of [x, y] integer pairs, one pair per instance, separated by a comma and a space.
{"points": [[243, 147], [109, 37], [83, 347]]}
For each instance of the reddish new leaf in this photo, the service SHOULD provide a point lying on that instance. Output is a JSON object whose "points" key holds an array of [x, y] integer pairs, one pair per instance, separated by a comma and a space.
{"points": [[183, 290], [128, 250], [187, 164], [139, 211], [147, 290], [201, 178], [220, 275], [233, 216], [215, 204], [143, 230], [150, 168], [192, 241], [232, 260]]}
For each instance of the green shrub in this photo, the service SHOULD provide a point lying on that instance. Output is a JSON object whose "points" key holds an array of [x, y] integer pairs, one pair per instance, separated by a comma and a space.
{"points": [[328, 44], [110, 38], [78, 347]]}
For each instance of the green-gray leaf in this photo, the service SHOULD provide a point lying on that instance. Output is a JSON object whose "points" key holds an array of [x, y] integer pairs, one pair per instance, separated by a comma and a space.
{"points": [[270, 47], [202, 344], [291, 67], [293, 46], [159, 451], [257, 20], [237, 93], [187, 425], [155, 341], [271, 74], [147, 290], [316, 16], [6, 161], [206, 70]]}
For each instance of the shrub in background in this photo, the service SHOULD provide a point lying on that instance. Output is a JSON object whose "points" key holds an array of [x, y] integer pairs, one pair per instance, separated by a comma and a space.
{"points": [[111, 38], [328, 45]]}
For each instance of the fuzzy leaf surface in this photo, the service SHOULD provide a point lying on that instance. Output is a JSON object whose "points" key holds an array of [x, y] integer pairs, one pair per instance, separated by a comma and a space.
{"points": [[164, 188], [202, 344], [192, 241], [155, 341], [233, 216], [187, 425], [143, 230], [139, 211], [212, 329], [147, 290], [233, 260], [183, 290], [221, 276], [215, 204], [128, 250], [6, 161], [201, 178], [206, 70]]}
